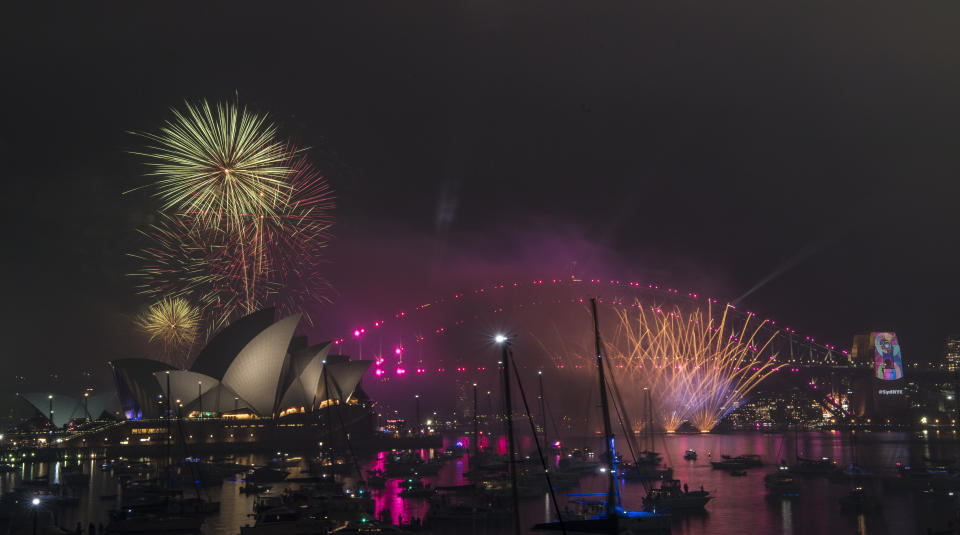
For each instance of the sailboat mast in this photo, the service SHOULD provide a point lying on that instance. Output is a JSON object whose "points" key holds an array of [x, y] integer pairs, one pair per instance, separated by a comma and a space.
{"points": [[543, 409], [476, 431], [612, 496], [508, 416]]}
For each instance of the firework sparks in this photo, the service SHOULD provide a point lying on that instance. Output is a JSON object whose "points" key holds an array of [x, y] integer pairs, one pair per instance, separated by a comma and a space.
{"points": [[245, 218], [218, 166], [700, 367], [174, 324]]}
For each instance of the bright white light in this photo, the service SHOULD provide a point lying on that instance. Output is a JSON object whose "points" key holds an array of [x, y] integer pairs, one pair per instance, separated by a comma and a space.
{"points": [[499, 338], [36, 501]]}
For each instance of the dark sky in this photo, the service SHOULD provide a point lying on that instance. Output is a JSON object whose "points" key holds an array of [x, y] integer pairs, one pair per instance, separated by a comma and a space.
{"points": [[708, 144]]}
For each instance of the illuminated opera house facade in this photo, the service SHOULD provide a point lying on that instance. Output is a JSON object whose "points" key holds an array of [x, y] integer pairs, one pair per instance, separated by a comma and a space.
{"points": [[254, 374]]}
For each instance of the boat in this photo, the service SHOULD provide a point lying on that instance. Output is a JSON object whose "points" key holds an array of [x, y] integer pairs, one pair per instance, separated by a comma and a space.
{"points": [[858, 500], [727, 464], [402, 464], [331, 465], [646, 467], [645, 472], [584, 515], [822, 466], [266, 475], [749, 460], [284, 460], [413, 487], [670, 497], [253, 488], [782, 483], [354, 528], [690, 455], [576, 462], [452, 453], [737, 463], [286, 521], [852, 472], [604, 513]]}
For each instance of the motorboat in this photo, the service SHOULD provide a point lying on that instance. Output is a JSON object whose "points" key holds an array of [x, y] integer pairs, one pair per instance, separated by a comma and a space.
{"points": [[670, 497], [749, 460], [690, 455], [782, 483], [822, 466]]}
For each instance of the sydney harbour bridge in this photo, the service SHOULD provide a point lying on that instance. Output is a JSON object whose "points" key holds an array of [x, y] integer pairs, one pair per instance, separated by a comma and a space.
{"points": [[444, 344]]}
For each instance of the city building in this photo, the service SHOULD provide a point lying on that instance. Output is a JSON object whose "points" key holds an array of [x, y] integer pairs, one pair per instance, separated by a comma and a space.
{"points": [[952, 357]]}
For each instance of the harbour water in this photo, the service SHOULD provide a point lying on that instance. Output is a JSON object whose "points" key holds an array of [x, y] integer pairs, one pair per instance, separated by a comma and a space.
{"points": [[741, 504]]}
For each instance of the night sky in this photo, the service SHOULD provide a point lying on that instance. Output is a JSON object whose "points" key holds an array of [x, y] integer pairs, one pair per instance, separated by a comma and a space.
{"points": [[703, 145]]}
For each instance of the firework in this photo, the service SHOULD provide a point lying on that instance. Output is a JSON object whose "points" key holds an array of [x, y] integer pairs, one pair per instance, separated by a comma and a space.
{"points": [[219, 165], [697, 365], [244, 218], [229, 274], [174, 324]]}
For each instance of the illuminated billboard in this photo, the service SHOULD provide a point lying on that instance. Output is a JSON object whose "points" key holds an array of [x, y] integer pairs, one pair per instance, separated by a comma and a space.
{"points": [[886, 351]]}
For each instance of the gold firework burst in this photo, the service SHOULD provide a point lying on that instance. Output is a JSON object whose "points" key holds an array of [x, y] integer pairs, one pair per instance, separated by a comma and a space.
{"points": [[219, 165], [174, 323], [699, 366]]}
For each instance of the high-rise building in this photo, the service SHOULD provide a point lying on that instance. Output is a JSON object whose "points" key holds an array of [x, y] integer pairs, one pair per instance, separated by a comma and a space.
{"points": [[953, 353]]}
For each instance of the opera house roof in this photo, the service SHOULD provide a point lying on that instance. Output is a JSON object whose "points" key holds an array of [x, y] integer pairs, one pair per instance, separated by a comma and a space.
{"points": [[255, 364]]}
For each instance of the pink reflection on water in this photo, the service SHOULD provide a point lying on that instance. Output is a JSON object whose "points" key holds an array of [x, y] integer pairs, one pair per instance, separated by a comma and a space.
{"points": [[388, 501]]}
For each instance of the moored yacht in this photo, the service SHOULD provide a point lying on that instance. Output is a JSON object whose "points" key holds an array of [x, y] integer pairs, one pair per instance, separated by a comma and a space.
{"points": [[670, 497], [782, 483]]}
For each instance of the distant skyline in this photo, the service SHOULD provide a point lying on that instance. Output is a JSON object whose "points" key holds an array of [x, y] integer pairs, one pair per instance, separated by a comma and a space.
{"points": [[803, 158]]}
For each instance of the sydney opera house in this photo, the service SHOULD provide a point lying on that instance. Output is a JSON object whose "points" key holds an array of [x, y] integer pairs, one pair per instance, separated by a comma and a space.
{"points": [[254, 370]]}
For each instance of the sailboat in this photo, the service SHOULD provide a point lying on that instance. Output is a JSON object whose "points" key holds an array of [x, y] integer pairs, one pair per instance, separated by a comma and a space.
{"points": [[603, 512]]}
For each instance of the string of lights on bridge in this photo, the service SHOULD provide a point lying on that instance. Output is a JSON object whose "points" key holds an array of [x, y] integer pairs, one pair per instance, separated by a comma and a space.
{"points": [[399, 350]]}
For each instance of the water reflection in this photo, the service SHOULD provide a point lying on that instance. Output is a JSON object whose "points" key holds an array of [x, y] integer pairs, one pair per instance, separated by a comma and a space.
{"points": [[742, 504], [786, 512]]}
